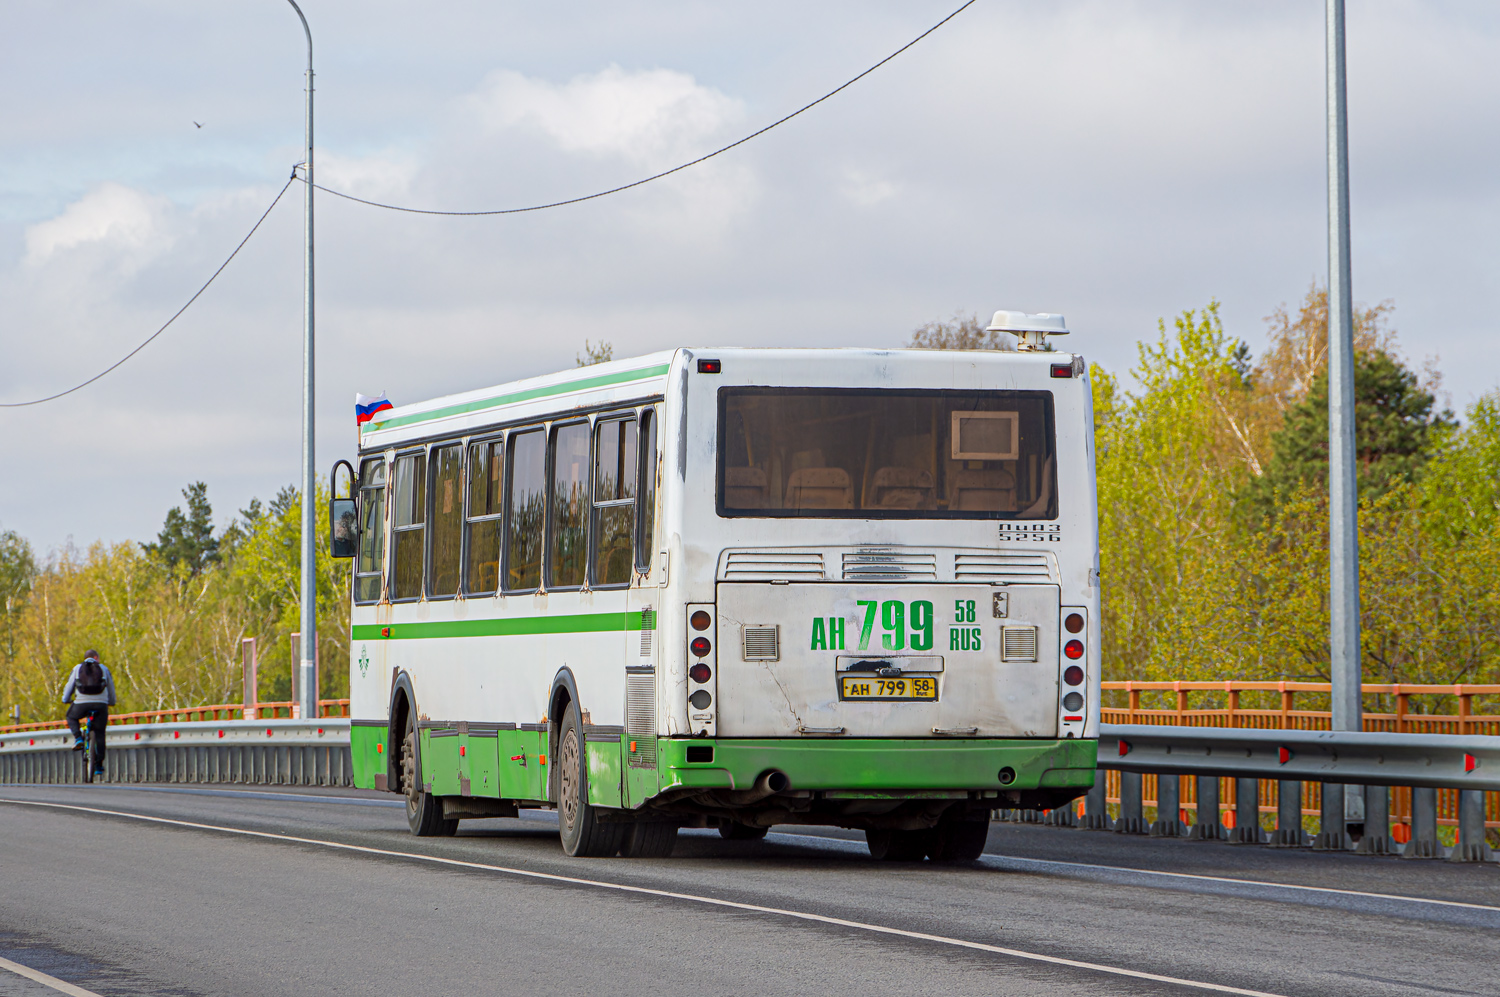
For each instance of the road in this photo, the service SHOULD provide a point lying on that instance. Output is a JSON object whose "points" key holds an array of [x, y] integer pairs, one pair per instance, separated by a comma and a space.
{"points": [[324, 892]]}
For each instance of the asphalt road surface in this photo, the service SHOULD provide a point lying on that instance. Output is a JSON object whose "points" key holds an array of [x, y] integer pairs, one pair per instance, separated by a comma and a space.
{"points": [[186, 891]]}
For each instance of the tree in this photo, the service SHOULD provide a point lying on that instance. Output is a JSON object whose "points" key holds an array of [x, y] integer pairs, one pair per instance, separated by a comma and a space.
{"points": [[1394, 425], [592, 354], [188, 539], [17, 570], [964, 332]]}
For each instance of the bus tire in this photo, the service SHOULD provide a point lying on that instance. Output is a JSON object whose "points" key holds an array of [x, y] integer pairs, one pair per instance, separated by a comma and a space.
{"points": [[735, 831], [648, 839], [424, 812], [898, 846], [959, 840], [582, 833]]}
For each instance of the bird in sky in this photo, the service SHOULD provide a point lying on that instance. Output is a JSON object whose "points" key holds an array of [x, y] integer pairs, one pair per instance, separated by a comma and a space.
{"points": [[196, 123]]}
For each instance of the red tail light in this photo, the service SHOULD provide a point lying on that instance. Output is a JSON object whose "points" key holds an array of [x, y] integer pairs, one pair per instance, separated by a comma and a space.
{"points": [[1073, 675], [700, 672], [1073, 649], [700, 646]]}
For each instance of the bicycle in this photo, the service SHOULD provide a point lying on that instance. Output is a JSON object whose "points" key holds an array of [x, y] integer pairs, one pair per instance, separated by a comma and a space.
{"points": [[93, 749]]}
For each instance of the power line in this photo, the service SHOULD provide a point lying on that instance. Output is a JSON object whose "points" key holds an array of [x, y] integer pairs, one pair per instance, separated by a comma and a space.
{"points": [[169, 321], [664, 173]]}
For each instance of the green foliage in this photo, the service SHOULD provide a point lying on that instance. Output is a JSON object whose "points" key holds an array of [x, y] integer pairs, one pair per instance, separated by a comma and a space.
{"points": [[171, 630], [188, 539], [1394, 423]]}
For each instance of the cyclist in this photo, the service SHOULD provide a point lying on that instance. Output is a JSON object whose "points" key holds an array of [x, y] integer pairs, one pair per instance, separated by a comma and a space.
{"points": [[91, 691]]}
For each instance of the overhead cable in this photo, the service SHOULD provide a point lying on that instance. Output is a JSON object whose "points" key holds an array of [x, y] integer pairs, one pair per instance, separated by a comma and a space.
{"points": [[664, 173], [175, 316]]}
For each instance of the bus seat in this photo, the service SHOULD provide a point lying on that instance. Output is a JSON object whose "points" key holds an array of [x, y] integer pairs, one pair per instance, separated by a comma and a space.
{"points": [[902, 488], [820, 488], [983, 491], [744, 488]]}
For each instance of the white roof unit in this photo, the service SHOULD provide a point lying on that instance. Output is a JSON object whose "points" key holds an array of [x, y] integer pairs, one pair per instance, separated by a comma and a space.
{"points": [[1031, 330]]}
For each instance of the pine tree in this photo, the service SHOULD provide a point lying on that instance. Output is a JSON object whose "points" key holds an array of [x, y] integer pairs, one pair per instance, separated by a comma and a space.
{"points": [[188, 538]]}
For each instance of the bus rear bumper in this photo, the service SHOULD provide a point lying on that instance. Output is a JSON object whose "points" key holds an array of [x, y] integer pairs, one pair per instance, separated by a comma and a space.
{"points": [[847, 766]]}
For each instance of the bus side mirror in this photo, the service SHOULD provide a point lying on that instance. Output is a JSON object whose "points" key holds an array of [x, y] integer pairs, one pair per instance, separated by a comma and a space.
{"points": [[343, 526]]}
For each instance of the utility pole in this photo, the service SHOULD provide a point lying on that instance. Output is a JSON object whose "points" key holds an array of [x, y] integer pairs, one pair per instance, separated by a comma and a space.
{"points": [[1343, 496], [307, 671]]}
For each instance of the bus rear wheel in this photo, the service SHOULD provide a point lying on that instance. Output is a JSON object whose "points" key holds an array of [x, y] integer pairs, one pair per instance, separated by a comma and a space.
{"points": [[648, 840], [424, 812], [578, 824], [959, 840], [898, 846]]}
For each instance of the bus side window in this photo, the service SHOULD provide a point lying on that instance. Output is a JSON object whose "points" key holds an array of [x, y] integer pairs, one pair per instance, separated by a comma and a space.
{"points": [[445, 515], [616, 462], [527, 510], [646, 519], [482, 576], [406, 569], [371, 564], [567, 555]]}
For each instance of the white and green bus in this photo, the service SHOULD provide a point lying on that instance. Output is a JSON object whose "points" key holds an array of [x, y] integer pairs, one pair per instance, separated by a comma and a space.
{"points": [[734, 588]]}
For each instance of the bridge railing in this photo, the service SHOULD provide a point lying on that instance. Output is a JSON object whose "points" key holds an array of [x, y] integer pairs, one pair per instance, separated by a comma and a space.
{"points": [[223, 711], [1413, 709]]}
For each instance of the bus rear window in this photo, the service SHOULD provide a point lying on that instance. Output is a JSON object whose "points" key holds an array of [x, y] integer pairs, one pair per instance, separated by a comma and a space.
{"points": [[886, 454]]}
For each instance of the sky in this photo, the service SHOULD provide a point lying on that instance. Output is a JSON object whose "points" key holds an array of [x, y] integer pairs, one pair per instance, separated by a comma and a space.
{"points": [[1118, 161]]}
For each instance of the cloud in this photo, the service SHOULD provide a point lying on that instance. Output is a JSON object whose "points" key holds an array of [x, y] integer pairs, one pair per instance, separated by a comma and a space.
{"points": [[132, 227], [648, 117]]}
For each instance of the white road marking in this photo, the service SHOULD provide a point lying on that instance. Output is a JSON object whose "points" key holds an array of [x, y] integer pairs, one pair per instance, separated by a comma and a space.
{"points": [[665, 894], [47, 981]]}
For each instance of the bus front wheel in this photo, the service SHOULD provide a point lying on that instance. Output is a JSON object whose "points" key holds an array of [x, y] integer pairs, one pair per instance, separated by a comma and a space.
{"points": [[424, 812], [579, 826]]}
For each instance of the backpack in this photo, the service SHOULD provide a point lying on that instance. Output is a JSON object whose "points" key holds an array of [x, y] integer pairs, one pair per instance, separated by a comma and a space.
{"points": [[90, 678]]}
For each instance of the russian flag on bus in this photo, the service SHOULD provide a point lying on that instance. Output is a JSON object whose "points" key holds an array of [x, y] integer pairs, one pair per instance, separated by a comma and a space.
{"points": [[365, 407]]}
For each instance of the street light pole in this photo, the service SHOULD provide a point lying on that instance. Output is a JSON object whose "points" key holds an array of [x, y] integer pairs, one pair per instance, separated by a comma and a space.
{"points": [[1343, 495], [307, 698]]}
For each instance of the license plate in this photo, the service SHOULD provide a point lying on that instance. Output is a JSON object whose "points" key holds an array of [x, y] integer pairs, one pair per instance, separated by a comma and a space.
{"points": [[915, 687]]}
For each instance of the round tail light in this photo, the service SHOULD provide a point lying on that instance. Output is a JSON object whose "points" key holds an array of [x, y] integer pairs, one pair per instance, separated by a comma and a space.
{"points": [[701, 673], [1073, 649], [1073, 676], [700, 647], [1072, 702], [700, 699], [1074, 623], [700, 620]]}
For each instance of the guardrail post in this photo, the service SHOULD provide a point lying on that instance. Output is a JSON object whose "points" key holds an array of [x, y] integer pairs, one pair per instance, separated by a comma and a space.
{"points": [[1424, 840], [1332, 836], [1168, 806], [1095, 807], [1208, 827], [1132, 814], [1376, 839], [1471, 846], [1247, 813], [1288, 833]]}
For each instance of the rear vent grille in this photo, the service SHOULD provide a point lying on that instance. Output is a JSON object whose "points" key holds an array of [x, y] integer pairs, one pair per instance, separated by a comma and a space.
{"points": [[749, 565], [883, 565], [648, 627], [640, 719], [762, 643], [1001, 568], [1018, 643]]}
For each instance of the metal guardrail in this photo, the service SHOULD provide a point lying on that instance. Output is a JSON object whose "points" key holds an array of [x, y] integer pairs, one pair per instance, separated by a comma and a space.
{"points": [[248, 752], [1370, 763], [1362, 758]]}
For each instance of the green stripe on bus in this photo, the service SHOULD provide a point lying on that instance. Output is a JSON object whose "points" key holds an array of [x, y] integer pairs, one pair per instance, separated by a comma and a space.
{"points": [[479, 405], [524, 626]]}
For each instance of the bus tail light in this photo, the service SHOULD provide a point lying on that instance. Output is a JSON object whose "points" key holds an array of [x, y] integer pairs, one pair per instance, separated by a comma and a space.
{"points": [[1073, 649], [700, 647], [700, 673], [702, 686]]}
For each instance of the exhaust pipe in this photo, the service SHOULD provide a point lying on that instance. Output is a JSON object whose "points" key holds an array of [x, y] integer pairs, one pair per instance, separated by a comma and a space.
{"points": [[769, 784]]}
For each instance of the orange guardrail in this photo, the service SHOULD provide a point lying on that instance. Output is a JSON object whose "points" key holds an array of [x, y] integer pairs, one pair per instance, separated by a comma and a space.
{"points": [[1279, 711], [224, 711]]}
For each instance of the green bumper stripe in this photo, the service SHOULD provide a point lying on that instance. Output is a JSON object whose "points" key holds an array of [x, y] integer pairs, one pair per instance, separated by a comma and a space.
{"points": [[479, 405], [524, 626]]}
